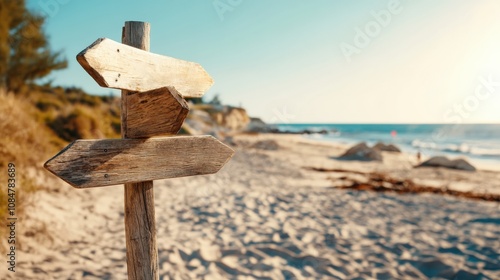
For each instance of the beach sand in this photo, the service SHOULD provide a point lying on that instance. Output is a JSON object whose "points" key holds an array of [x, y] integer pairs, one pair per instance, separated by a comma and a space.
{"points": [[269, 214]]}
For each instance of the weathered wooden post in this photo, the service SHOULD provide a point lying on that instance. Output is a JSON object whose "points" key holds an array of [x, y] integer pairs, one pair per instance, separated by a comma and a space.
{"points": [[153, 88], [140, 221]]}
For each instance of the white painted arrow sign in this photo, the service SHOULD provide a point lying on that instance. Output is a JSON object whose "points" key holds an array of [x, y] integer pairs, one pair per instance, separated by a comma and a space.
{"points": [[98, 163], [116, 65]]}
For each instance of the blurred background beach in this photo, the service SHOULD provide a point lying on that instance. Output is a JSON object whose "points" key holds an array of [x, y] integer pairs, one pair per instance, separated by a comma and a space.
{"points": [[366, 136], [476, 142]]}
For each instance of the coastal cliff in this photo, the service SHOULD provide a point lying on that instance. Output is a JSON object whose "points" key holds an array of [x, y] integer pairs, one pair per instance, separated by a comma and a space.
{"points": [[214, 119]]}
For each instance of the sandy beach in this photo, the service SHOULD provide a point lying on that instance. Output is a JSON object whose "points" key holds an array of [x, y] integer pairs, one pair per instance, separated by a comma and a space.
{"points": [[276, 212], [365, 137]]}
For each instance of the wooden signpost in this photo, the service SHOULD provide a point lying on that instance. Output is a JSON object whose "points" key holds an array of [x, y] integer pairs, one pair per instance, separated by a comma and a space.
{"points": [[120, 66], [99, 163], [153, 87]]}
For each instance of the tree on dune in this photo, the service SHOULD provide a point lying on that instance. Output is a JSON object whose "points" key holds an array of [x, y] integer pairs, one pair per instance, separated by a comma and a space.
{"points": [[24, 50]]}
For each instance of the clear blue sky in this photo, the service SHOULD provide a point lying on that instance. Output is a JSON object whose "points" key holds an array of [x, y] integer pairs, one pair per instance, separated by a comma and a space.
{"points": [[312, 61]]}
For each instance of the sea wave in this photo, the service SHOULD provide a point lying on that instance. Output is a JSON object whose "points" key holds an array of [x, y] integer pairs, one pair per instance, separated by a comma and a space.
{"points": [[462, 148]]}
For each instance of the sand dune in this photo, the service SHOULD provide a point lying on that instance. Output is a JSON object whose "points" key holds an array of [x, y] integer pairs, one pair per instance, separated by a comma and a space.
{"points": [[265, 217]]}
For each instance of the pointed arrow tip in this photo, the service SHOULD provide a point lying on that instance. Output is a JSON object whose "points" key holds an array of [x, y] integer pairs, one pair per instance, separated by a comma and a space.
{"points": [[88, 65], [52, 164], [47, 166], [49, 163], [226, 151]]}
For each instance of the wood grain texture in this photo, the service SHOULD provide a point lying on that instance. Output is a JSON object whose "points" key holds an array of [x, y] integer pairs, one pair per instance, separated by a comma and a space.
{"points": [[140, 231], [139, 200], [156, 112], [116, 65], [105, 162]]}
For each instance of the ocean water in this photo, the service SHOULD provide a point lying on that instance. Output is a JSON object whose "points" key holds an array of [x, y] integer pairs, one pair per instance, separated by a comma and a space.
{"points": [[478, 143]]}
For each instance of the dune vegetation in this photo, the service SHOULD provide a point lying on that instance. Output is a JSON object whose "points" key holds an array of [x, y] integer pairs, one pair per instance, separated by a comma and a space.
{"points": [[36, 124]]}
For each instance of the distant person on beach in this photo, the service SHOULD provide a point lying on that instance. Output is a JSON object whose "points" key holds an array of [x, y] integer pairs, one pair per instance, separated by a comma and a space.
{"points": [[419, 157]]}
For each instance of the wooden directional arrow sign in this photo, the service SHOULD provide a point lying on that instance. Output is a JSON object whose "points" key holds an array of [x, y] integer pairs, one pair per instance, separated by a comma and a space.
{"points": [[120, 66], [97, 163], [153, 87], [155, 112]]}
